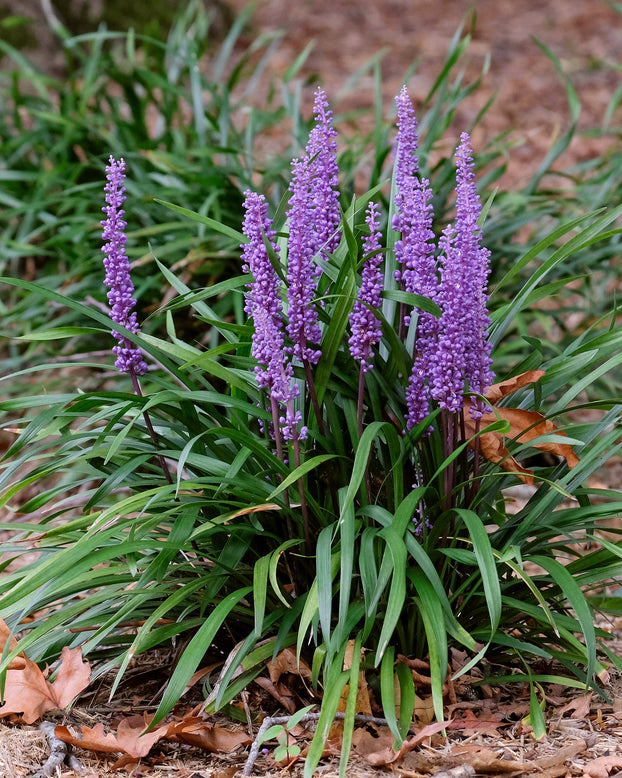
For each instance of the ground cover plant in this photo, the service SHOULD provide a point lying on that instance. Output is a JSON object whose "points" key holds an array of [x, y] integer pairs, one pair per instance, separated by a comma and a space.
{"points": [[327, 471]]}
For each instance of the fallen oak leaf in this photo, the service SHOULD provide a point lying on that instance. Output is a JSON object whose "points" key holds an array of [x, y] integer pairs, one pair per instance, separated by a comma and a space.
{"points": [[498, 391], [132, 737], [130, 740], [602, 766], [387, 755], [525, 427], [286, 661], [18, 662], [195, 731], [28, 692], [281, 695], [92, 739]]}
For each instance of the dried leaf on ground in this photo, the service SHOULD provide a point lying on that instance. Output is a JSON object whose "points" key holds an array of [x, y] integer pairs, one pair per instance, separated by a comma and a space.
{"points": [[195, 731], [133, 742], [601, 767], [472, 724], [525, 426], [19, 662], [580, 707], [29, 693], [386, 755], [287, 662]]}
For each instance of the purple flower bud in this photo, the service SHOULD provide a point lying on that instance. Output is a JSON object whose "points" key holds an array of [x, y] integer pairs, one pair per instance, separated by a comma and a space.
{"points": [[117, 266], [448, 363], [366, 330]]}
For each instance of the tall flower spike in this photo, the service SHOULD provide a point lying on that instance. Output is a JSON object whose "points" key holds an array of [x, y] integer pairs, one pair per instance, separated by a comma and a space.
{"points": [[321, 152], [117, 266], [469, 245], [302, 276], [366, 330], [273, 371], [415, 253], [463, 354]]}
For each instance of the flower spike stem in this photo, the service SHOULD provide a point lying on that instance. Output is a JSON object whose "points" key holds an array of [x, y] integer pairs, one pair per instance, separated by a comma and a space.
{"points": [[152, 433]]}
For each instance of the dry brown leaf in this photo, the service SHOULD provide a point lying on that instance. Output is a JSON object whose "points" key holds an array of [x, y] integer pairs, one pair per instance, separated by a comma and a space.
{"points": [[387, 755], [504, 388], [19, 662], [195, 731], [580, 707], [129, 739], [365, 742], [525, 426], [92, 739], [602, 766], [577, 746], [29, 693], [133, 742], [471, 723], [484, 760], [287, 662]]}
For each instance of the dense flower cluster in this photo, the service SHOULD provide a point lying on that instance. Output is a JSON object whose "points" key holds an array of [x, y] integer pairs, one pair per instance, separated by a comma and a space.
{"points": [[273, 371], [366, 330], [321, 152], [302, 272], [463, 353], [451, 355], [117, 266], [313, 220]]}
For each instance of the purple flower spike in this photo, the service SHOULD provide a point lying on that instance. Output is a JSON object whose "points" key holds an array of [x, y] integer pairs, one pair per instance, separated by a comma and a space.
{"points": [[302, 275], [477, 259], [406, 164], [321, 152], [414, 214], [366, 330], [448, 366], [273, 372], [463, 354], [117, 266], [415, 253]]}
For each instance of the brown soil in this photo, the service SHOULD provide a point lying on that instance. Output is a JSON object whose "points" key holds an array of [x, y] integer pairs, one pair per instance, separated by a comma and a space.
{"points": [[585, 35]]}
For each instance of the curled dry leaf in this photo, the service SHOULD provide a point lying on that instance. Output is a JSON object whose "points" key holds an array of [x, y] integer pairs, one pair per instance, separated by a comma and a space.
{"points": [[133, 742], [29, 693], [525, 427], [504, 388], [287, 662]]}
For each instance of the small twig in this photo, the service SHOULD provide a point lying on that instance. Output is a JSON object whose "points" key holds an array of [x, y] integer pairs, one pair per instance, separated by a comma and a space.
{"points": [[59, 753], [271, 720]]}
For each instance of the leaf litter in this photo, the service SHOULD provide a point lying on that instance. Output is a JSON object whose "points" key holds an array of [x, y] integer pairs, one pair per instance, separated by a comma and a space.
{"points": [[486, 736]]}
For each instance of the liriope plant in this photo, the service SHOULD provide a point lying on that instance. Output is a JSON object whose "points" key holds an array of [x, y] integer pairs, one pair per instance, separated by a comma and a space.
{"points": [[330, 472]]}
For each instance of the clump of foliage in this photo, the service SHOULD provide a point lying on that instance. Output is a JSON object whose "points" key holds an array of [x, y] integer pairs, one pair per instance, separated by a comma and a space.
{"points": [[331, 475]]}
